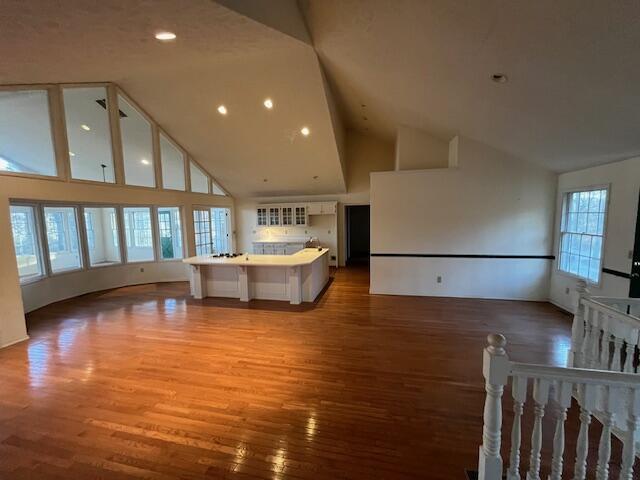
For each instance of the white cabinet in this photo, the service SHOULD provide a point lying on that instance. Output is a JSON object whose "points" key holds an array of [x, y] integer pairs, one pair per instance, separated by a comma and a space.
{"points": [[314, 208], [268, 249], [301, 215], [258, 249], [262, 217], [328, 208], [287, 216], [274, 216], [292, 248], [279, 248]]}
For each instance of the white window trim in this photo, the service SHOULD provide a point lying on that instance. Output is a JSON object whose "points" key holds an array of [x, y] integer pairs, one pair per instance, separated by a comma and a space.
{"points": [[86, 238], [181, 232], [563, 205], [123, 237], [39, 243], [82, 250]]}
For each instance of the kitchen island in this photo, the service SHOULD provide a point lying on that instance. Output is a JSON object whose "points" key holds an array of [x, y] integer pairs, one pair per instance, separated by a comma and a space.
{"points": [[295, 278]]}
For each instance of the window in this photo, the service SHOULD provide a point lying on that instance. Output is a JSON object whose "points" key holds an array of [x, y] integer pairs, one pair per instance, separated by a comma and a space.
{"points": [[170, 233], [172, 160], [62, 238], [217, 189], [582, 233], [102, 236], [25, 242], [199, 180], [202, 229], [89, 134], [220, 219], [137, 148], [138, 234], [26, 145]]}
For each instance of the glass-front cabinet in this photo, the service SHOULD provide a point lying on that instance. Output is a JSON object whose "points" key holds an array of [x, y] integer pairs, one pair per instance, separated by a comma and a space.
{"points": [[274, 216], [262, 217], [301, 215], [287, 216]]}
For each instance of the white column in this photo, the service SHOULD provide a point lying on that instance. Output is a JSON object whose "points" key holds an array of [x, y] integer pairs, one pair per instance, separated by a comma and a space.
{"points": [[495, 369], [295, 285], [199, 281], [578, 329], [243, 283]]}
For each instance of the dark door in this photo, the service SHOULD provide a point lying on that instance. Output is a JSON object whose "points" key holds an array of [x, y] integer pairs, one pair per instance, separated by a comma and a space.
{"points": [[357, 217], [634, 290]]}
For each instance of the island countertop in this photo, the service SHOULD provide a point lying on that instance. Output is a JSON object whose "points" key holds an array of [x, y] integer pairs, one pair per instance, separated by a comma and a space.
{"points": [[305, 256]]}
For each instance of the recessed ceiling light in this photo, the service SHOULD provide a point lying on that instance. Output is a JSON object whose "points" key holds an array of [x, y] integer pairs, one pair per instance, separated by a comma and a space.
{"points": [[264, 180], [315, 177], [499, 78], [268, 103], [165, 36], [222, 110], [71, 154], [305, 131], [144, 161], [85, 127]]}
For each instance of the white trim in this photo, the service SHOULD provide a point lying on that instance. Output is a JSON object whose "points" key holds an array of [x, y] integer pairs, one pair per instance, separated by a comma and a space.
{"points": [[13, 342]]}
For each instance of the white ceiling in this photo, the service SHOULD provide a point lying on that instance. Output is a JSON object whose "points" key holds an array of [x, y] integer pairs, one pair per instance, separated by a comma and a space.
{"points": [[573, 96], [219, 57]]}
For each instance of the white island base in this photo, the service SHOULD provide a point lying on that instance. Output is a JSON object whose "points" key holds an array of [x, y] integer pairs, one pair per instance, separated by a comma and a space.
{"points": [[295, 278]]}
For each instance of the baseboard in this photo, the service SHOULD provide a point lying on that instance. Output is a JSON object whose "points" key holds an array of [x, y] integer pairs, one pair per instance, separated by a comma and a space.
{"points": [[561, 307], [15, 341]]}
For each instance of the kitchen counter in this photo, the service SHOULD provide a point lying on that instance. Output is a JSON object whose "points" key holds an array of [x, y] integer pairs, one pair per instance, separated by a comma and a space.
{"points": [[299, 277]]}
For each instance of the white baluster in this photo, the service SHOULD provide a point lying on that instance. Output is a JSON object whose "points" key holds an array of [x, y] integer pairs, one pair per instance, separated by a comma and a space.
{"points": [[563, 397], [617, 354], [519, 392], [586, 341], [594, 348], [586, 400], [540, 396], [611, 403], [576, 357], [629, 449], [629, 352], [605, 344], [495, 368]]}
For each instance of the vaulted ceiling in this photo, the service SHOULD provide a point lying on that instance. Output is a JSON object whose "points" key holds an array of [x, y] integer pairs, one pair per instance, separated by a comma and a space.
{"points": [[573, 94], [572, 98], [219, 57]]}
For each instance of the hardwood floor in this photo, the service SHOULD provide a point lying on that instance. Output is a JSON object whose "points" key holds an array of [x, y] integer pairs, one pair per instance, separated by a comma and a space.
{"points": [[145, 382]]}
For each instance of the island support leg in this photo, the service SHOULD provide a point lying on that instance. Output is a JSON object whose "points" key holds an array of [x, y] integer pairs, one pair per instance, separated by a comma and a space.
{"points": [[243, 283], [198, 281], [295, 285]]}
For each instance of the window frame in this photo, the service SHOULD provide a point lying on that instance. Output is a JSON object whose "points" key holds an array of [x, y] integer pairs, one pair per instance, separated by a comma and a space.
{"points": [[564, 205], [185, 163], [119, 224], [195, 233], [82, 247], [54, 104], [181, 231], [39, 233], [123, 236]]}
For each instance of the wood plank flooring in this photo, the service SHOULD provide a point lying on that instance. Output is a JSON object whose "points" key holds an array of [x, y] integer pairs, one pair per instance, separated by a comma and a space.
{"points": [[145, 382]]}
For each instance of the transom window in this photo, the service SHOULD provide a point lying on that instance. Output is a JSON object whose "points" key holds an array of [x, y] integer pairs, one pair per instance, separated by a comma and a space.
{"points": [[582, 233]]}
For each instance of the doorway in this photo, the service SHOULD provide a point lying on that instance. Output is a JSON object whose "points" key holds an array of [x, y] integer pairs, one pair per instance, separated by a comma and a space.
{"points": [[357, 220], [221, 223], [634, 288]]}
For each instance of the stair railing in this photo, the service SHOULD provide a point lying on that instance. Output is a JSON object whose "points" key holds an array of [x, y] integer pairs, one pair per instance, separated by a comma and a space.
{"points": [[606, 332], [614, 396]]}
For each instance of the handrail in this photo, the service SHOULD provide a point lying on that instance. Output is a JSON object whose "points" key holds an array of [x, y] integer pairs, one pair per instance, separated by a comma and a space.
{"points": [[576, 375], [624, 316]]}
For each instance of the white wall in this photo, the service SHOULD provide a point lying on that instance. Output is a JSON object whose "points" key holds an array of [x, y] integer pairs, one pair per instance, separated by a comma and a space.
{"points": [[492, 204], [624, 182], [417, 149]]}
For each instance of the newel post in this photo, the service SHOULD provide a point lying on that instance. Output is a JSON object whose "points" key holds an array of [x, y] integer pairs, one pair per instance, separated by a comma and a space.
{"points": [[495, 368], [576, 356]]}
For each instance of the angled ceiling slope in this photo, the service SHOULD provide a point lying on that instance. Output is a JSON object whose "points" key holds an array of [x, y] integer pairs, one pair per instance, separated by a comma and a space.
{"points": [[219, 57], [573, 95]]}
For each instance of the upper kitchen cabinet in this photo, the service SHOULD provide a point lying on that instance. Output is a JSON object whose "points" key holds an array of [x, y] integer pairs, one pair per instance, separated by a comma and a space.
{"points": [[301, 215], [274, 216], [322, 208], [262, 217], [287, 216]]}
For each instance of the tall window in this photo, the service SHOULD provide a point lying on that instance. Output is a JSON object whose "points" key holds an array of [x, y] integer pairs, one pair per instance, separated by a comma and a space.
{"points": [[25, 133], [138, 234], [199, 179], [62, 238], [89, 134], [172, 161], [137, 146], [25, 241], [202, 229], [102, 236], [170, 233], [582, 233]]}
